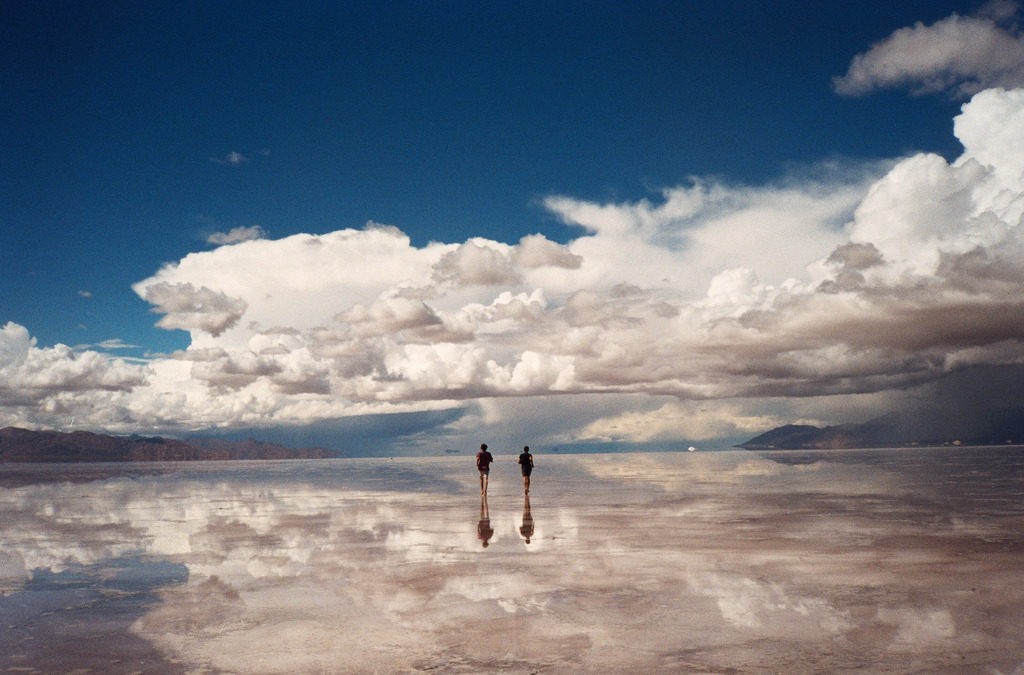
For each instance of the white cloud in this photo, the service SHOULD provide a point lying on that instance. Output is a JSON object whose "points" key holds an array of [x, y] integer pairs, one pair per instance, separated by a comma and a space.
{"points": [[236, 235], [478, 263], [990, 130], [189, 308], [108, 345], [301, 282], [960, 55], [48, 386], [391, 313], [536, 251], [699, 230], [233, 158], [868, 280]]}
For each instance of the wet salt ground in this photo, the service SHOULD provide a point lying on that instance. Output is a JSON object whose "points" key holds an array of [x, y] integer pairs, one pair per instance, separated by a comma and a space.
{"points": [[894, 561]]}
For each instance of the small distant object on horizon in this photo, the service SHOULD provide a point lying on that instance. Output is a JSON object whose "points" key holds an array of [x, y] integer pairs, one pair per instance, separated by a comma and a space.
{"points": [[451, 451], [691, 449]]}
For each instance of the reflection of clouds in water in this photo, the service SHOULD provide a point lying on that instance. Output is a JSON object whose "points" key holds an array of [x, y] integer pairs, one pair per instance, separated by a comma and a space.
{"points": [[434, 542], [281, 578], [306, 626], [508, 591], [708, 470], [755, 604], [727, 555], [235, 531], [919, 626]]}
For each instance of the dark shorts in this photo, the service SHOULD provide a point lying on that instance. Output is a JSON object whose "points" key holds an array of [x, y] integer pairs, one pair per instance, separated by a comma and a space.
{"points": [[527, 470], [483, 470]]}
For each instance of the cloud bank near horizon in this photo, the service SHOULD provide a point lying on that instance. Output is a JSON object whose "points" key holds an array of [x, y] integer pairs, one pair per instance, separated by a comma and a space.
{"points": [[715, 292], [690, 316]]}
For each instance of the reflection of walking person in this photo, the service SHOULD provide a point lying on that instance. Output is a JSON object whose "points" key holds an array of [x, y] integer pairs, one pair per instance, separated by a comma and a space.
{"points": [[527, 529], [483, 463], [526, 464], [483, 528]]}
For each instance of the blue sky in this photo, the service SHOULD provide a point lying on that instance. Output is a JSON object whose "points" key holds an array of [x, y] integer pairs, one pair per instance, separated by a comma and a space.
{"points": [[448, 120], [142, 135]]}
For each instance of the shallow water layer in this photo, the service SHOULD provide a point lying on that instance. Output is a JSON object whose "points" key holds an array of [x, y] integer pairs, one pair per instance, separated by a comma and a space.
{"points": [[853, 561]]}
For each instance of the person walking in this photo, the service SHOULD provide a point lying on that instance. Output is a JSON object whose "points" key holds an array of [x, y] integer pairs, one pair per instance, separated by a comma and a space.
{"points": [[483, 464], [526, 465]]}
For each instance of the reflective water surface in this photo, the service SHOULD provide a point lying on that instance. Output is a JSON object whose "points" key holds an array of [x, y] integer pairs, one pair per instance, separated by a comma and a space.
{"points": [[859, 561]]}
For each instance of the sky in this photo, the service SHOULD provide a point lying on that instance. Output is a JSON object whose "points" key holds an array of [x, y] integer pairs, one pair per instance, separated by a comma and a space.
{"points": [[403, 227]]}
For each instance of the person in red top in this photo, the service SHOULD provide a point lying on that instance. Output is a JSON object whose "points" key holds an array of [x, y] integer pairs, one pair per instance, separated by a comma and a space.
{"points": [[483, 463]]}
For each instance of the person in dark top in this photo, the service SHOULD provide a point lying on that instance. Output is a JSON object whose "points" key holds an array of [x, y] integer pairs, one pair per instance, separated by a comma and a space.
{"points": [[526, 464], [483, 463]]}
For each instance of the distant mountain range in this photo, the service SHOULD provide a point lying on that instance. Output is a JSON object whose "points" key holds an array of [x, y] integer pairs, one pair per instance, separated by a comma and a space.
{"points": [[24, 445], [900, 429]]}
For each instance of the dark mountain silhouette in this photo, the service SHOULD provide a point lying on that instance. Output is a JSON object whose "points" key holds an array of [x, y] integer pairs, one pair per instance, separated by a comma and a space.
{"points": [[24, 445], [898, 429]]}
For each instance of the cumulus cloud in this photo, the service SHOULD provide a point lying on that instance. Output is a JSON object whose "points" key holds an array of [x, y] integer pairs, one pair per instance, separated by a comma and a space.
{"points": [[864, 280], [961, 55], [48, 386], [536, 250], [699, 230], [478, 263], [236, 234], [716, 292], [28, 368], [189, 308], [301, 282]]}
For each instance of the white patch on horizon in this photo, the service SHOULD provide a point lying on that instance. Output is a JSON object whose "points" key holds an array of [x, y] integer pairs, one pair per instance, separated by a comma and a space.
{"points": [[675, 420]]}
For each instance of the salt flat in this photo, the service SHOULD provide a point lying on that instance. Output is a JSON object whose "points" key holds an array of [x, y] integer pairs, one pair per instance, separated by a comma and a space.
{"points": [[854, 561]]}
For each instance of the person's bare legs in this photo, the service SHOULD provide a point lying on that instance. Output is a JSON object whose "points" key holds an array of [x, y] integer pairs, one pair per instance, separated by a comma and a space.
{"points": [[526, 484], [483, 483]]}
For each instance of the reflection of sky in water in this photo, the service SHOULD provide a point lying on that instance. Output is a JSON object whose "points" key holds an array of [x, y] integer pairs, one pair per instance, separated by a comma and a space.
{"points": [[704, 561]]}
